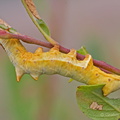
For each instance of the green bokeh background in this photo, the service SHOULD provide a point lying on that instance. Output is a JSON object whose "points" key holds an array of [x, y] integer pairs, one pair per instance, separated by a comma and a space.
{"points": [[93, 24]]}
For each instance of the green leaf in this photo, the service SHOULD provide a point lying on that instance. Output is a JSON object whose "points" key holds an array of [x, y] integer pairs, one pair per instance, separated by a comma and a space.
{"points": [[3, 27], [12, 30], [40, 24], [43, 25], [82, 51], [97, 107]]}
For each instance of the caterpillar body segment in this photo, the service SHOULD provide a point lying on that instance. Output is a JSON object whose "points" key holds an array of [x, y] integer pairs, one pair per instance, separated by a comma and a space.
{"points": [[55, 62]]}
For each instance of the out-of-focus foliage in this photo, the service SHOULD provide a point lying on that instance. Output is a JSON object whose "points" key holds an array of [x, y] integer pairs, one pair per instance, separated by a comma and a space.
{"points": [[69, 22]]}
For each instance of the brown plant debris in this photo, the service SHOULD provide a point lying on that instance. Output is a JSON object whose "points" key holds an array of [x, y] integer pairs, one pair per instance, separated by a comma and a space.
{"points": [[32, 8], [96, 106]]}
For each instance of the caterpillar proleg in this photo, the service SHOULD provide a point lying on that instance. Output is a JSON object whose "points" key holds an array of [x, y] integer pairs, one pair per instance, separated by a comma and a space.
{"points": [[55, 62]]}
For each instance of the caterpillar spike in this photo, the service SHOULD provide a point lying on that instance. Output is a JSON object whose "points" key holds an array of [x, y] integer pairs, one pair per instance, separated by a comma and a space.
{"points": [[55, 48], [71, 56], [19, 73], [88, 61], [72, 53], [35, 76], [39, 51]]}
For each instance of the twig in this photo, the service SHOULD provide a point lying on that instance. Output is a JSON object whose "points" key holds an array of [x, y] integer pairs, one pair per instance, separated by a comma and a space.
{"points": [[40, 24]]}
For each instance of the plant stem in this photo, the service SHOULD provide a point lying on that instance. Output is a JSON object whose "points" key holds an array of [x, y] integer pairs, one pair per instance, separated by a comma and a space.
{"points": [[32, 12]]}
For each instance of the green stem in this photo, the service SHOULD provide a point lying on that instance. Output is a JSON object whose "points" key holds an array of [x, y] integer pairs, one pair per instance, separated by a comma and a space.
{"points": [[36, 20]]}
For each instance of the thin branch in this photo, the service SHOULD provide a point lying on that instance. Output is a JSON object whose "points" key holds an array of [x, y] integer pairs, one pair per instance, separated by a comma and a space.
{"points": [[102, 65], [40, 24]]}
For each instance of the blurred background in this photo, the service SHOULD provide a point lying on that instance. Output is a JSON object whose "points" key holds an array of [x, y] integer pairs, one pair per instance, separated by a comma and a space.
{"points": [[93, 24]]}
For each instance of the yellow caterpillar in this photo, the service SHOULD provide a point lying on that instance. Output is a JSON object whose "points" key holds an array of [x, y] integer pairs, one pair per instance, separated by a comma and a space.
{"points": [[55, 62]]}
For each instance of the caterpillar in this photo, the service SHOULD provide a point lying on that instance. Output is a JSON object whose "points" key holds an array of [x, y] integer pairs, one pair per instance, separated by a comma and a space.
{"points": [[55, 62]]}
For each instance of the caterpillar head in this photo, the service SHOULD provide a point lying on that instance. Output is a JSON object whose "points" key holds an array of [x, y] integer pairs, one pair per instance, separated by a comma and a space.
{"points": [[111, 86]]}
